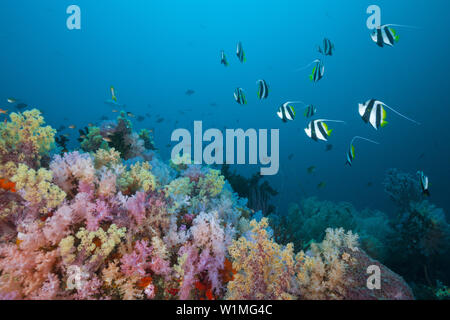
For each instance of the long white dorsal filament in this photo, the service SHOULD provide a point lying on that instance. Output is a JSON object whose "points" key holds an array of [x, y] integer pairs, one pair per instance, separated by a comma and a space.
{"points": [[300, 69], [362, 138], [401, 115], [401, 26]]}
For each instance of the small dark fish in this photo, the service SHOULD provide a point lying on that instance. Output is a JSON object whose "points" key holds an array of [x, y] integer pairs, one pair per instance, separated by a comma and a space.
{"points": [[140, 118], [21, 106], [104, 118], [369, 184], [329, 147], [148, 115], [321, 185], [160, 120], [213, 104], [190, 92], [311, 169], [291, 156], [61, 128], [422, 155]]}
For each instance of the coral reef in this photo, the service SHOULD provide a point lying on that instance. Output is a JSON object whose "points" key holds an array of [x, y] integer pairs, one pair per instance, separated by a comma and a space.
{"points": [[116, 222]]}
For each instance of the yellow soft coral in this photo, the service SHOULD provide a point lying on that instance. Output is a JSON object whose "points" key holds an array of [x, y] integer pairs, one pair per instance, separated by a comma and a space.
{"points": [[137, 178], [180, 186], [66, 249], [211, 184], [322, 273], [100, 243], [106, 158], [37, 188], [264, 268], [27, 128]]}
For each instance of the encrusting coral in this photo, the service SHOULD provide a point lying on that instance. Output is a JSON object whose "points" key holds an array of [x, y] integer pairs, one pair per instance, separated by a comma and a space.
{"points": [[116, 222]]}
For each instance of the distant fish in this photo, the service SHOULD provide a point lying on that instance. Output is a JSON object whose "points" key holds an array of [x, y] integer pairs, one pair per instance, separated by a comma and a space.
{"points": [[240, 53], [369, 184], [286, 111], [321, 185], [21, 106], [318, 129], [11, 100], [239, 96], [113, 94], [424, 183], [106, 139], [160, 120], [148, 115], [311, 169], [263, 89], [223, 59], [140, 118], [329, 147], [327, 49], [103, 118], [72, 126], [189, 92], [114, 110], [310, 111], [351, 150], [213, 104], [3, 111], [373, 112], [130, 114], [291, 156]]}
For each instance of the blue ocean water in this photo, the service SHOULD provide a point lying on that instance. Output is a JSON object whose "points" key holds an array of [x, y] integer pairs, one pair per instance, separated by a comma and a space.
{"points": [[152, 52]]}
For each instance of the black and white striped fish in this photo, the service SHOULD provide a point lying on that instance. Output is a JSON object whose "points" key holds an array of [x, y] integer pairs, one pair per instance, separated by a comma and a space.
{"points": [[385, 36], [423, 183], [223, 59], [310, 111], [318, 71], [327, 49], [351, 150], [239, 96], [318, 129], [373, 112], [263, 89], [286, 111], [240, 53]]}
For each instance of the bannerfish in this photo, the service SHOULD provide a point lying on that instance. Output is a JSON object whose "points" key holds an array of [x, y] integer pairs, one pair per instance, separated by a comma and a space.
{"points": [[328, 47], [310, 111], [318, 129], [263, 89], [113, 94], [385, 35], [351, 150], [240, 53], [286, 111], [223, 59], [373, 112], [239, 96], [424, 183], [318, 71]]}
